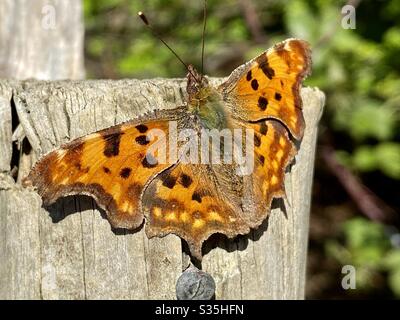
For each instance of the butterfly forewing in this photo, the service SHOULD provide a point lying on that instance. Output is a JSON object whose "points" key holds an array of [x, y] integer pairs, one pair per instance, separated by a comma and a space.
{"points": [[111, 165], [269, 86]]}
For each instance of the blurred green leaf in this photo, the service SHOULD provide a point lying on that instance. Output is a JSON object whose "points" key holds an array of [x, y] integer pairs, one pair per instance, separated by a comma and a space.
{"points": [[394, 282], [96, 46], [392, 260], [364, 158], [388, 155], [361, 232], [392, 38], [368, 119], [300, 20], [366, 240], [344, 158], [385, 157], [389, 86]]}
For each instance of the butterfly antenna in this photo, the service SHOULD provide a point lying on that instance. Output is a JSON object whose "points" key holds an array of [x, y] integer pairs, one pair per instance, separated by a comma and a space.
{"points": [[147, 23], [203, 36]]}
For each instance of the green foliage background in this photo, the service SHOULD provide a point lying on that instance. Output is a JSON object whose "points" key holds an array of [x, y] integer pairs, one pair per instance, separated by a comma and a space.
{"points": [[357, 69]]}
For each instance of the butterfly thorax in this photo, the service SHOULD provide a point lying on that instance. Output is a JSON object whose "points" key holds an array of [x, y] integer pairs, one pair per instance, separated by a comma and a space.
{"points": [[205, 102]]}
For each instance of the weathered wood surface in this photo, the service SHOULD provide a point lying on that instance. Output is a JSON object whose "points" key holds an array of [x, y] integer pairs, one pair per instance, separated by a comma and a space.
{"points": [[69, 250], [41, 39]]}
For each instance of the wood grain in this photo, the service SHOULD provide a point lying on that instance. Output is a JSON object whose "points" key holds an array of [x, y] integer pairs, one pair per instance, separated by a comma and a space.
{"points": [[72, 253], [41, 39]]}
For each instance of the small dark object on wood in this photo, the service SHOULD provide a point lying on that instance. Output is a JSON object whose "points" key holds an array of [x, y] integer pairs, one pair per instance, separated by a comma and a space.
{"points": [[194, 284]]}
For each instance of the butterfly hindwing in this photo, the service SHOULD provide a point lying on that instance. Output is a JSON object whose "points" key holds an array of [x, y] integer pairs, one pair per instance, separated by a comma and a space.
{"points": [[194, 201], [273, 152]]}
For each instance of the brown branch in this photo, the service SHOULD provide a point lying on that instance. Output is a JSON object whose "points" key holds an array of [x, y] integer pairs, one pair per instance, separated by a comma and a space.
{"points": [[367, 201], [252, 19]]}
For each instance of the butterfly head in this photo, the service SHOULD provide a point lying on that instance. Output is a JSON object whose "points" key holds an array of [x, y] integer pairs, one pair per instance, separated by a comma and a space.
{"points": [[197, 85], [205, 101]]}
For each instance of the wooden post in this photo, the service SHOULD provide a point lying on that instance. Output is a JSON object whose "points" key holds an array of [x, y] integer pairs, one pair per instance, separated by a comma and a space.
{"points": [[68, 251]]}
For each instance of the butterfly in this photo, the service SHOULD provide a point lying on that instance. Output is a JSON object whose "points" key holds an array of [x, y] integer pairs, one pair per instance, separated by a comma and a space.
{"points": [[192, 199]]}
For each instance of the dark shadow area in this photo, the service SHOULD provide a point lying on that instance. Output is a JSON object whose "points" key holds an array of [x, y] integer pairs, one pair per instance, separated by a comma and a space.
{"points": [[122, 231], [240, 242], [19, 147], [66, 206], [279, 203], [297, 144], [195, 261], [26, 146], [15, 155]]}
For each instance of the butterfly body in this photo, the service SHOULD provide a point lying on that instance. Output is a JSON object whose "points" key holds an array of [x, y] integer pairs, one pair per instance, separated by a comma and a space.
{"points": [[192, 199], [205, 102], [212, 114]]}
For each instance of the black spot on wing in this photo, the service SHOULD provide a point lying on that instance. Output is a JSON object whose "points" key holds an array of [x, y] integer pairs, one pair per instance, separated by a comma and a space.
{"points": [[106, 170], [262, 103], [262, 159], [186, 181], [142, 140], [257, 140], [142, 128], [196, 197], [169, 181], [263, 128], [125, 173], [254, 84], [265, 67], [112, 140], [248, 76], [278, 96]]}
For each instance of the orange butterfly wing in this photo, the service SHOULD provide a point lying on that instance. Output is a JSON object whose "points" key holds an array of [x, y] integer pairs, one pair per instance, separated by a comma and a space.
{"points": [[194, 201], [111, 165], [269, 86], [273, 152]]}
